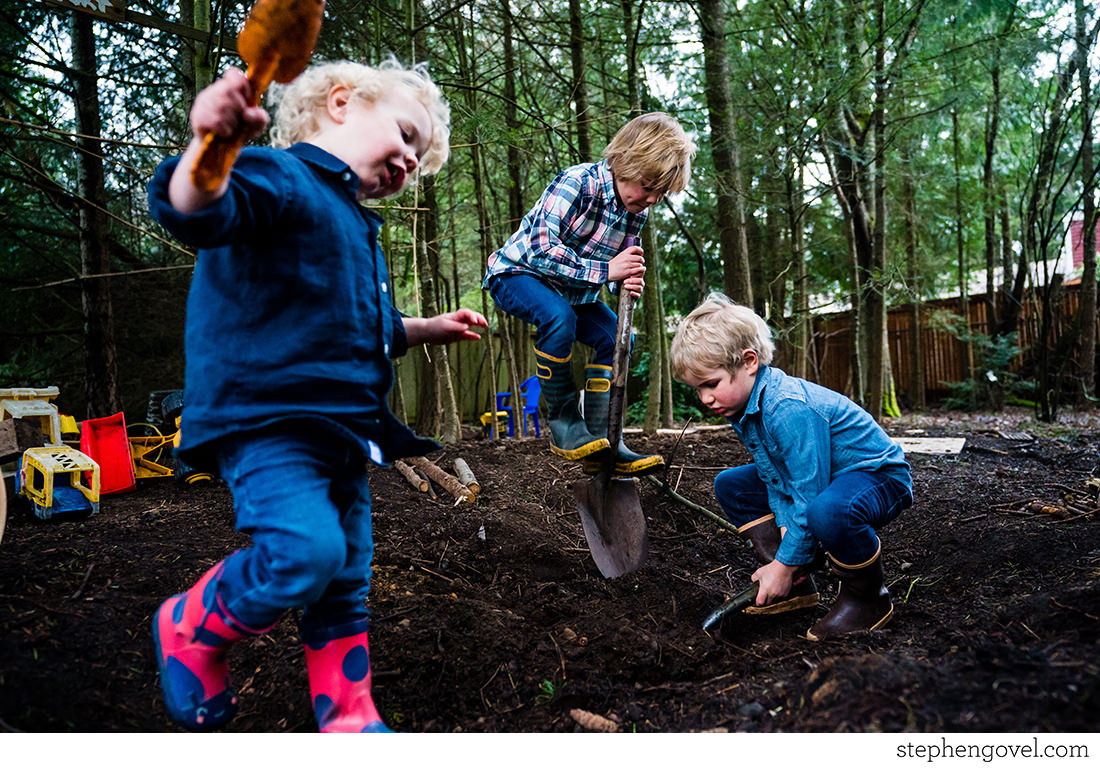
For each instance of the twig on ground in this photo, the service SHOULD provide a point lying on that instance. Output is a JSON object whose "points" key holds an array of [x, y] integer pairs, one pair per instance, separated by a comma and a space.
{"points": [[720, 521], [84, 582], [672, 452]]}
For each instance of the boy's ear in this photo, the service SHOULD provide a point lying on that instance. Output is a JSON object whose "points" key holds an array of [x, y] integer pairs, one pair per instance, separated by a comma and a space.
{"points": [[339, 99], [750, 361]]}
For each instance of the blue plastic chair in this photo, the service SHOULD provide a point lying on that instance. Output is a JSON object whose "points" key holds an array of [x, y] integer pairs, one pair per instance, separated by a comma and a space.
{"points": [[530, 389]]}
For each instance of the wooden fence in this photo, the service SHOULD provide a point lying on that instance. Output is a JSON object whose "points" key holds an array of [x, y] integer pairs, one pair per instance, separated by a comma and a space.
{"points": [[942, 350], [831, 353]]}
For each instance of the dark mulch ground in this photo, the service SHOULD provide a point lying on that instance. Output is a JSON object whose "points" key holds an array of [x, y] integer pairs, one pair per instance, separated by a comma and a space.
{"points": [[492, 617]]}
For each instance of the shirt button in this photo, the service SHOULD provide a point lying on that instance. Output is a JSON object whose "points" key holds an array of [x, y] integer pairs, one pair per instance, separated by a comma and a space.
{"points": [[385, 288], [347, 176], [386, 348]]}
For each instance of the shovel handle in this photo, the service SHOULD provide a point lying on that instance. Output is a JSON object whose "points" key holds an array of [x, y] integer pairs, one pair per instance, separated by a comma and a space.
{"points": [[737, 603], [619, 369], [218, 153], [620, 365]]}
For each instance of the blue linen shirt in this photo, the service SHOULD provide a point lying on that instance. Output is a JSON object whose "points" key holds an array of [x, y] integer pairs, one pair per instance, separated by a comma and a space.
{"points": [[290, 313], [802, 436], [567, 238]]}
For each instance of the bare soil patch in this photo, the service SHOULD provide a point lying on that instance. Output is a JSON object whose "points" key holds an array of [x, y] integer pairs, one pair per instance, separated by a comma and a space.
{"points": [[492, 617]]}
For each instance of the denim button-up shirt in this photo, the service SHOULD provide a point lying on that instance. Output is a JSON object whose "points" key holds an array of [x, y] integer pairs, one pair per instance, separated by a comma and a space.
{"points": [[290, 313], [570, 235], [801, 437]]}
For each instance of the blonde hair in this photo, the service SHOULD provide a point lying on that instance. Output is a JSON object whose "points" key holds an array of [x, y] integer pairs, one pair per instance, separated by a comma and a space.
{"points": [[302, 101], [713, 336], [653, 149]]}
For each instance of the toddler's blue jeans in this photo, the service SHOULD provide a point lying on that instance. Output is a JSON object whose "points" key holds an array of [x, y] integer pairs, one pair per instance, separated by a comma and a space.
{"points": [[559, 324], [843, 518], [300, 491]]}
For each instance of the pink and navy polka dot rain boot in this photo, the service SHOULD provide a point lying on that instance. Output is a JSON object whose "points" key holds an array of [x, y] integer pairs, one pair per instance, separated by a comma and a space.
{"points": [[340, 686], [193, 633]]}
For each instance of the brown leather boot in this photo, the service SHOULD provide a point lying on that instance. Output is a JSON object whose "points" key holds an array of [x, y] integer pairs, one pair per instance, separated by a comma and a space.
{"points": [[862, 604], [763, 535]]}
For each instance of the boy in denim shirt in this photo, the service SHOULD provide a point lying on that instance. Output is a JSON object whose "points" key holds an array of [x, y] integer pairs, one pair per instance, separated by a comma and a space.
{"points": [[290, 330], [582, 234], [825, 474]]}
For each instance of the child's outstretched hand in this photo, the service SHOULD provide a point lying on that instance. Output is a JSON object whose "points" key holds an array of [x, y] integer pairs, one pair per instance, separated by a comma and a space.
{"points": [[444, 328], [628, 266]]}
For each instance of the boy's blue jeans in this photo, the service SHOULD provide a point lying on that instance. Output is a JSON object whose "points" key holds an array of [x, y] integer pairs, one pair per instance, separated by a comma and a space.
{"points": [[559, 324], [843, 517], [301, 492]]}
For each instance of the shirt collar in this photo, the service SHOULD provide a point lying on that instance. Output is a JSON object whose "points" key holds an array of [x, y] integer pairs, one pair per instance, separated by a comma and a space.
{"points": [[315, 156], [752, 406], [607, 183], [763, 377], [326, 161]]}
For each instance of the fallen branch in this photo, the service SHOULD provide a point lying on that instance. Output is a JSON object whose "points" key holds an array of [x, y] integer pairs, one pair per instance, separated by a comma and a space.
{"points": [[460, 491], [466, 476], [415, 481], [719, 520]]}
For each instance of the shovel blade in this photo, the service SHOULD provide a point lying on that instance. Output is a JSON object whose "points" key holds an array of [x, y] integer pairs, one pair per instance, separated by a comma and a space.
{"points": [[614, 525]]}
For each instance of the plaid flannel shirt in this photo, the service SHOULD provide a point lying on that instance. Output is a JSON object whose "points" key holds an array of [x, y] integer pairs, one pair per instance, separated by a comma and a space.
{"points": [[569, 236]]}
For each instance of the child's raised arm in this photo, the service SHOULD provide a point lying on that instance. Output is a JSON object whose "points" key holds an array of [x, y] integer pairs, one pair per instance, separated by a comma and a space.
{"points": [[219, 108]]}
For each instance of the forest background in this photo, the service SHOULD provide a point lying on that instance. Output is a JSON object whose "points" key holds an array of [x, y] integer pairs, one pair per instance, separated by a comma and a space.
{"points": [[854, 155]]}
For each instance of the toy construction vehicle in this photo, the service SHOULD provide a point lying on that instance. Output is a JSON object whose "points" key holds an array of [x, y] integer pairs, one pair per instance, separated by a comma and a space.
{"points": [[140, 447], [59, 480], [54, 477]]}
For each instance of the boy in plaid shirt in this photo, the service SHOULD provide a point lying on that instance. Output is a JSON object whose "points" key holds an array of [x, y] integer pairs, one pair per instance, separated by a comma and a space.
{"points": [[579, 236]]}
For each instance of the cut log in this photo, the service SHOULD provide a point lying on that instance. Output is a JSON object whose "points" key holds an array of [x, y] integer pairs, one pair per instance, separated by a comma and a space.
{"points": [[411, 476], [431, 487], [460, 491], [466, 476]]}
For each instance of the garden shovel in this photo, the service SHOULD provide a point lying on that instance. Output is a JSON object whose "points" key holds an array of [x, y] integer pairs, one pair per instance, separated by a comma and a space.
{"points": [[611, 511], [276, 41]]}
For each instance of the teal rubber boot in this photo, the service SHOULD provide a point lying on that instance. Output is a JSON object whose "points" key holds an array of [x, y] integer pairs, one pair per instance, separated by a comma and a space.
{"points": [[597, 403], [569, 436]]}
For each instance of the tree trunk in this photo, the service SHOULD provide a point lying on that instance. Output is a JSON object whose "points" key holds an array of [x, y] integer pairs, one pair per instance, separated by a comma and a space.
{"points": [[800, 304], [966, 349], [653, 333], [732, 239], [915, 285], [989, 191], [1087, 310], [512, 341], [100, 355], [485, 240], [1037, 202], [878, 358], [580, 87]]}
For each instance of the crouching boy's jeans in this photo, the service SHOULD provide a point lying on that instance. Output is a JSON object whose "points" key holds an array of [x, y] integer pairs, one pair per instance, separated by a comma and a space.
{"points": [[300, 491], [844, 517]]}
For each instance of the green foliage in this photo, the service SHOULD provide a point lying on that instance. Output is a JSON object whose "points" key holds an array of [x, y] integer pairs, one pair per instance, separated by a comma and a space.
{"points": [[800, 79], [685, 405], [549, 691], [995, 381]]}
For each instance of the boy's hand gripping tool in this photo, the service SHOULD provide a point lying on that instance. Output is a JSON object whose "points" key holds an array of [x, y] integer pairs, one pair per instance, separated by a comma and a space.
{"points": [[276, 41]]}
